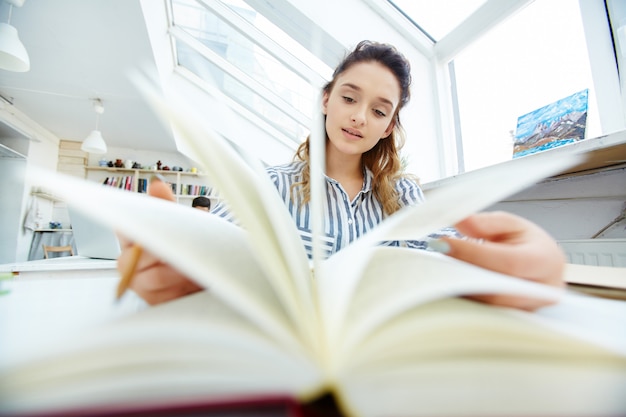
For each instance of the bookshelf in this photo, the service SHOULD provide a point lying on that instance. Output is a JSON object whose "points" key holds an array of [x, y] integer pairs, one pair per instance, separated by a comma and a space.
{"points": [[185, 185]]}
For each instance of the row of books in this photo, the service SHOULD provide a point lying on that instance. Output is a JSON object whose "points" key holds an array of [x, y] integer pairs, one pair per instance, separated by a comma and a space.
{"points": [[125, 182], [193, 189]]}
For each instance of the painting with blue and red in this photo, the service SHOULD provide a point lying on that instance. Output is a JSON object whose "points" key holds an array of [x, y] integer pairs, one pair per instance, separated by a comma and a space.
{"points": [[556, 124]]}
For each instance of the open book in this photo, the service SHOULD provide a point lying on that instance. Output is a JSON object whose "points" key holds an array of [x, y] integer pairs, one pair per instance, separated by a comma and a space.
{"points": [[384, 330]]}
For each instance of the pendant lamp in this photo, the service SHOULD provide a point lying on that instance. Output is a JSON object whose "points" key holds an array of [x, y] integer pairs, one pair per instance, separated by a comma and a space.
{"points": [[13, 55], [94, 143]]}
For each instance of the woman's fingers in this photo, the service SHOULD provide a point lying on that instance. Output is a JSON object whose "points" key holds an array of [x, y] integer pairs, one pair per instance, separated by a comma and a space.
{"points": [[511, 245], [159, 282], [153, 280]]}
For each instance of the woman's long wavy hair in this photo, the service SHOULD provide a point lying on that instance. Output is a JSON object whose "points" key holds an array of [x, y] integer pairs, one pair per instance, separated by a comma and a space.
{"points": [[384, 158]]}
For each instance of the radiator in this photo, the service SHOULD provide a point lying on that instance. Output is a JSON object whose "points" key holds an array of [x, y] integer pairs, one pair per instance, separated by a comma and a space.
{"points": [[596, 252]]}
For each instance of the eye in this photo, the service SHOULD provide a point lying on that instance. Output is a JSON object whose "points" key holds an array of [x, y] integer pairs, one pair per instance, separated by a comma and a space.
{"points": [[380, 113], [348, 99]]}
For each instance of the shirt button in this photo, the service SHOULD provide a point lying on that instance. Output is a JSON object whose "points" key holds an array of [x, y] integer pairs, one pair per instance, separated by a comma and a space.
{"points": [[349, 221]]}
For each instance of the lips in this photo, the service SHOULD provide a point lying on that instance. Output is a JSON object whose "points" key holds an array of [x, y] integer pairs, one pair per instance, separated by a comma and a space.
{"points": [[353, 132]]}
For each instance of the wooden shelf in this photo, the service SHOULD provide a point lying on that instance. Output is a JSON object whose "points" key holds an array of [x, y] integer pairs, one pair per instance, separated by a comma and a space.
{"points": [[178, 178], [145, 171]]}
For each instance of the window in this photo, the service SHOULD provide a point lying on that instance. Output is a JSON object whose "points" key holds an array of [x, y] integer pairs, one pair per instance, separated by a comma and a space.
{"points": [[502, 60], [437, 19], [228, 44], [538, 56], [506, 59]]}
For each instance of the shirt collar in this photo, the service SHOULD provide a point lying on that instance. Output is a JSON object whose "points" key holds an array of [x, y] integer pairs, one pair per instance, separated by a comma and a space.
{"points": [[368, 179]]}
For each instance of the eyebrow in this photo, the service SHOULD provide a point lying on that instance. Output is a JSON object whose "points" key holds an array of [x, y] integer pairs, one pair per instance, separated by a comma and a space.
{"points": [[357, 88]]}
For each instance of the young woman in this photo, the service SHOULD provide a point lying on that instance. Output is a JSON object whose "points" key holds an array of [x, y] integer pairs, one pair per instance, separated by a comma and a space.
{"points": [[365, 183]]}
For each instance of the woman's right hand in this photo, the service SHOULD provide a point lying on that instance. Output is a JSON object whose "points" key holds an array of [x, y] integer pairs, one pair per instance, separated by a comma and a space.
{"points": [[154, 280]]}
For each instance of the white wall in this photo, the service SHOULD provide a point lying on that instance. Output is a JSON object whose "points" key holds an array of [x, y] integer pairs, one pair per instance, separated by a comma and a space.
{"points": [[41, 149], [11, 185], [17, 198], [577, 207]]}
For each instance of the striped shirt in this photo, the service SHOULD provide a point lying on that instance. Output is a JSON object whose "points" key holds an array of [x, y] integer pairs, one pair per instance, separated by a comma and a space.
{"points": [[346, 220]]}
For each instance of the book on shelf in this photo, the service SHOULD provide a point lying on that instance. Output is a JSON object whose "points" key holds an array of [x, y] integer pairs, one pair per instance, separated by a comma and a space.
{"points": [[142, 185], [122, 182], [194, 189], [380, 330]]}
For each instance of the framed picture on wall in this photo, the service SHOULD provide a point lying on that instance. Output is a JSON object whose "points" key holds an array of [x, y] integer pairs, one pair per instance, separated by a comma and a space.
{"points": [[556, 124]]}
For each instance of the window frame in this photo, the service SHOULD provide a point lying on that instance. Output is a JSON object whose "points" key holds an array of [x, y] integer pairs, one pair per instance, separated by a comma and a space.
{"points": [[447, 140]]}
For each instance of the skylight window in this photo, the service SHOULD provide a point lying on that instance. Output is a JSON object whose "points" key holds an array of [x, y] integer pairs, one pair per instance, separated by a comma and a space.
{"points": [[237, 50], [437, 18]]}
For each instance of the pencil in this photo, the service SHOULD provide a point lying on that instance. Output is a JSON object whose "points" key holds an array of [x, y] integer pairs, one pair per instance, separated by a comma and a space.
{"points": [[127, 276], [158, 188]]}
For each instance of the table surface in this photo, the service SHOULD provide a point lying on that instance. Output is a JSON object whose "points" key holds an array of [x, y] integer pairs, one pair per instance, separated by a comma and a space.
{"points": [[64, 263], [37, 310]]}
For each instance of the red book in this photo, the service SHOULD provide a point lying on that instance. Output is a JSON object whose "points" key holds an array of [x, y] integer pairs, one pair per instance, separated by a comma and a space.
{"points": [[265, 406]]}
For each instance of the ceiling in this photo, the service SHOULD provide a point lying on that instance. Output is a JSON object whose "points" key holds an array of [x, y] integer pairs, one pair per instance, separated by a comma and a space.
{"points": [[81, 50]]}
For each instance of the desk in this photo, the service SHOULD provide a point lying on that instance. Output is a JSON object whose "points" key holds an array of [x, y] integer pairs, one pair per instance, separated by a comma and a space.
{"points": [[50, 237], [51, 300]]}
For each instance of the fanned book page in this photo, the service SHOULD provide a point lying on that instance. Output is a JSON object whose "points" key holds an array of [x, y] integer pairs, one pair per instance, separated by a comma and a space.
{"points": [[250, 196], [212, 251], [195, 348]]}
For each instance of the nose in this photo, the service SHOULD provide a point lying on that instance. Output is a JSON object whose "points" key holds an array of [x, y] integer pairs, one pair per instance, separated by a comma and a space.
{"points": [[358, 117]]}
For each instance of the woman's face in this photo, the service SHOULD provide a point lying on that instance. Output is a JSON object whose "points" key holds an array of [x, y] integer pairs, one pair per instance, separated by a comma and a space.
{"points": [[360, 107]]}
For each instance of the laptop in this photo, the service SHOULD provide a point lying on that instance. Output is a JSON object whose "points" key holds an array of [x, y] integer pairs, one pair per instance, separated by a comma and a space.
{"points": [[92, 239]]}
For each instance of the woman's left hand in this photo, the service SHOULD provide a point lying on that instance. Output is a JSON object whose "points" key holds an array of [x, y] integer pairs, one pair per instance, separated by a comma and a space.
{"points": [[506, 243]]}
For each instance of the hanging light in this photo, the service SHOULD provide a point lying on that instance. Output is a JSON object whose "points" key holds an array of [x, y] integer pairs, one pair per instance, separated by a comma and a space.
{"points": [[13, 55], [94, 143]]}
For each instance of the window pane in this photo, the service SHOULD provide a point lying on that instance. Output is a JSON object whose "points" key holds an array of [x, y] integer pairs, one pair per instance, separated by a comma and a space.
{"points": [[220, 37], [274, 32], [438, 18], [535, 58], [205, 69], [617, 14]]}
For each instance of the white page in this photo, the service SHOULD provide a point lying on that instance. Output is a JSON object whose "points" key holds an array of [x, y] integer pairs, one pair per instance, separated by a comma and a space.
{"points": [[210, 250], [317, 165], [193, 346], [38, 312], [598, 320], [252, 198], [459, 350], [318, 202], [341, 273], [398, 279]]}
